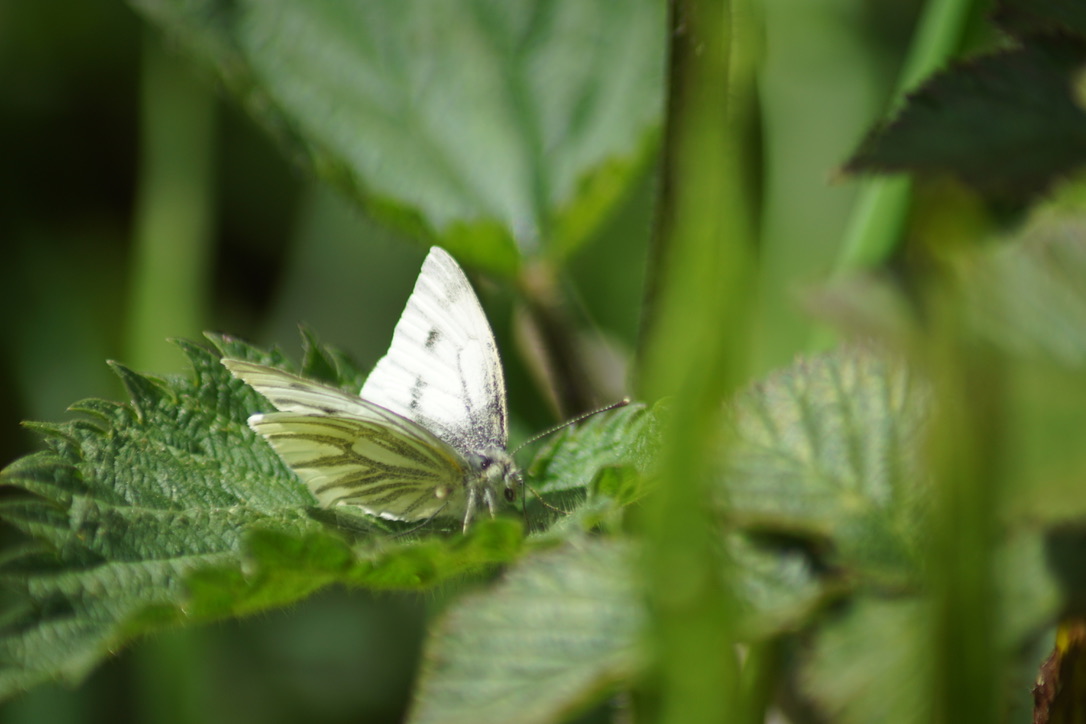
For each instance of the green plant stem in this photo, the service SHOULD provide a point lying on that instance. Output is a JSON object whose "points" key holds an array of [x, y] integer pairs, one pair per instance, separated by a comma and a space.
{"points": [[170, 271], [968, 451], [882, 204], [170, 279], [694, 346], [559, 353]]}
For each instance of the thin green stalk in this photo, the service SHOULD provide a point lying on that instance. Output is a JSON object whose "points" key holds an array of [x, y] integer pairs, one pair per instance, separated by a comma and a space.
{"points": [[883, 203], [171, 265], [968, 453], [694, 348], [169, 287]]}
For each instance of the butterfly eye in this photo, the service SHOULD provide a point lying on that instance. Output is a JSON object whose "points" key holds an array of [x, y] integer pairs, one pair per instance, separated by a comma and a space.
{"points": [[484, 463], [510, 495]]}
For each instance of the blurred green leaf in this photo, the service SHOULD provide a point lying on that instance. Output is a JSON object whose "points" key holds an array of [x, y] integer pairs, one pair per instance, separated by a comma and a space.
{"points": [[1026, 296], [1007, 123], [778, 588], [871, 665], [492, 128], [827, 451], [553, 637]]}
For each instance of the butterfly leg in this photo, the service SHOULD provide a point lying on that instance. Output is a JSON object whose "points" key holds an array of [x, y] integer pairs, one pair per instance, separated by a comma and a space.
{"points": [[491, 501], [469, 512]]}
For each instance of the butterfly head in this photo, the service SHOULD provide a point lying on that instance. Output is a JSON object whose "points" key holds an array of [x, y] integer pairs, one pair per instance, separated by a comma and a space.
{"points": [[496, 470]]}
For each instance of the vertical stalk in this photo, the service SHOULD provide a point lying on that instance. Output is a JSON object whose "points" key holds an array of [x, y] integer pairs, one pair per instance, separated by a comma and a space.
{"points": [[174, 207], [693, 347], [883, 203], [170, 281], [967, 450]]}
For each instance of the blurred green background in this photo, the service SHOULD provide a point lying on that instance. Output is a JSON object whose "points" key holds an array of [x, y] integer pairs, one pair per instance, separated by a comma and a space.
{"points": [[81, 82]]}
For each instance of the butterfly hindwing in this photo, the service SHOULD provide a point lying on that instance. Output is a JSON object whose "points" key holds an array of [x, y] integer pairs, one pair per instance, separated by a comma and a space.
{"points": [[442, 369], [349, 450]]}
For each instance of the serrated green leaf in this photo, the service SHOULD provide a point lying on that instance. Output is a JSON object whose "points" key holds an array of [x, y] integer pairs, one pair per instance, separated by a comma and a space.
{"points": [[492, 128], [125, 508], [562, 628], [1007, 123], [170, 510], [626, 436], [592, 471], [826, 451]]}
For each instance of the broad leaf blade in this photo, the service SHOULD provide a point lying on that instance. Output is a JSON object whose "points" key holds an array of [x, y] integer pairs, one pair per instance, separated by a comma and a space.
{"points": [[563, 627], [492, 128]]}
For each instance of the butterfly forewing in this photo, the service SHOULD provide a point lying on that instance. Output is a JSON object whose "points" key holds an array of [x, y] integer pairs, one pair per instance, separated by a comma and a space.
{"points": [[442, 369], [349, 450]]}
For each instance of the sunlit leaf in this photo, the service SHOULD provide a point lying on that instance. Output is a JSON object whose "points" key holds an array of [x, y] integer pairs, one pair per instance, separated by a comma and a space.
{"points": [[493, 128]]}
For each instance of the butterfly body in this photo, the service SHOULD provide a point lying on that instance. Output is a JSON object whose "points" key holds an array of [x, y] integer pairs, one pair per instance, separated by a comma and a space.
{"points": [[427, 435]]}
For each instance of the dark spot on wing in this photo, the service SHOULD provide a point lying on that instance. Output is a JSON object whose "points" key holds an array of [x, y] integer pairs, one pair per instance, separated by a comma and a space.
{"points": [[431, 338], [416, 392]]}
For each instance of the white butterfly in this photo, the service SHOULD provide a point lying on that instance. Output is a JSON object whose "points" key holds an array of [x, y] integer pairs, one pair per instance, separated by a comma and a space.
{"points": [[427, 435]]}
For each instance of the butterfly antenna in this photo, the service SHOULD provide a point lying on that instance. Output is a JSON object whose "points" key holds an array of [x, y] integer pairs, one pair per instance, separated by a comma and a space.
{"points": [[573, 421]]}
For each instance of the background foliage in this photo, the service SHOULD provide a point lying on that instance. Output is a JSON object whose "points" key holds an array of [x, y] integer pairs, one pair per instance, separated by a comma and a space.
{"points": [[893, 530]]}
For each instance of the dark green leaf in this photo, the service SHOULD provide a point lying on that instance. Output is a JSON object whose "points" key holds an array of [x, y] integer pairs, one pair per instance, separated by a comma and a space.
{"points": [[1007, 123], [553, 637], [826, 452], [493, 127], [1020, 17]]}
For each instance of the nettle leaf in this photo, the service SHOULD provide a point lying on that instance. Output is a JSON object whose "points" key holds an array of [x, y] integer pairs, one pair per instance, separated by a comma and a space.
{"points": [[553, 637], [122, 507], [492, 128], [592, 471], [1007, 123], [825, 453], [169, 510]]}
